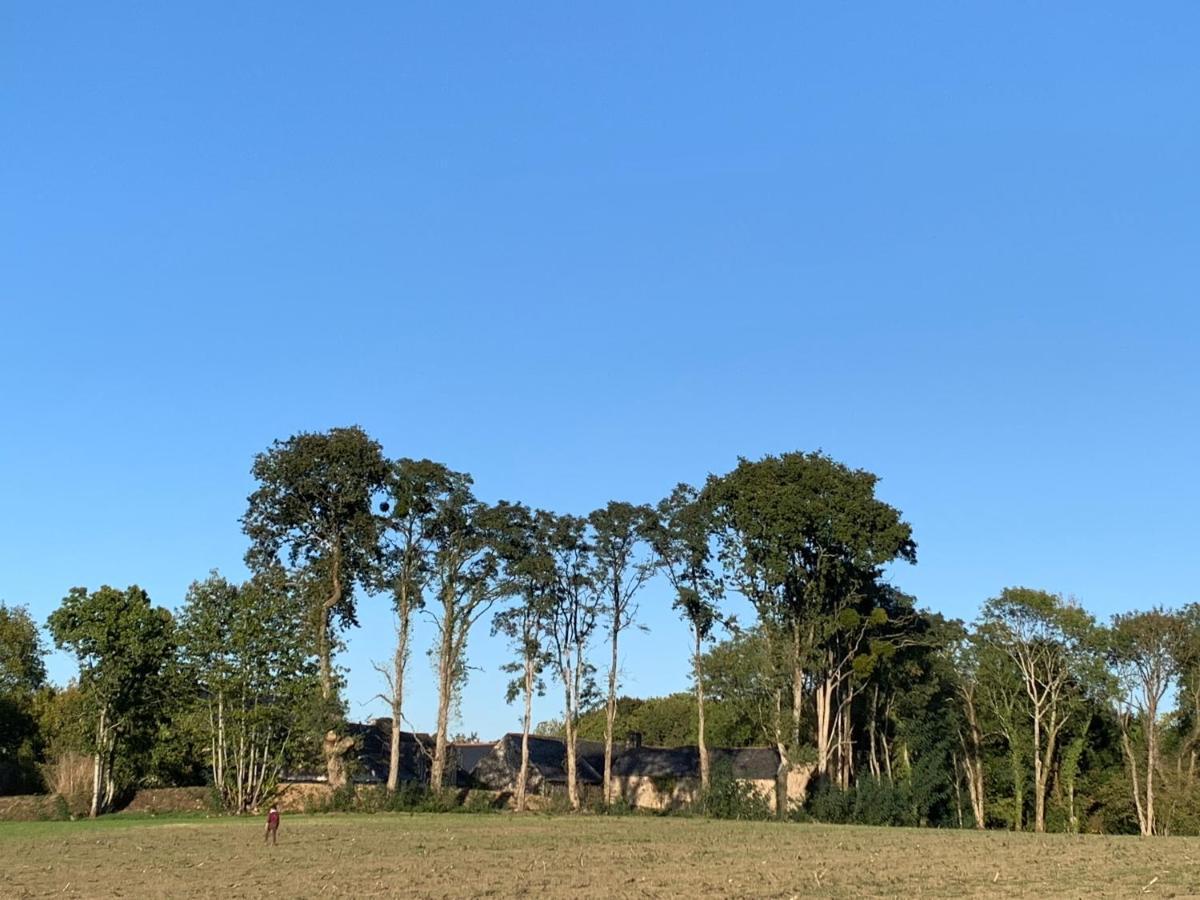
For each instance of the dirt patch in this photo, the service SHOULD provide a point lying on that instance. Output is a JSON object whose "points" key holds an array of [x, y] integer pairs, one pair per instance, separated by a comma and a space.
{"points": [[28, 808], [502, 855], [163, 801]]}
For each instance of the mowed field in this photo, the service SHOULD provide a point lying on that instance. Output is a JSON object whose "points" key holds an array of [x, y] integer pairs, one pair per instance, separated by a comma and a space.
{"points": [[464, 855]]}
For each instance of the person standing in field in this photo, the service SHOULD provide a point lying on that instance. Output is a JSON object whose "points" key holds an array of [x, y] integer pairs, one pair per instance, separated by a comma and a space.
{"points": [[272, 825]]}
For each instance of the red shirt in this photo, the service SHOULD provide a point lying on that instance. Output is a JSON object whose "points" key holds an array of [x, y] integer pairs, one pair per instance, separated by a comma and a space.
{"points": [[273, 819]]}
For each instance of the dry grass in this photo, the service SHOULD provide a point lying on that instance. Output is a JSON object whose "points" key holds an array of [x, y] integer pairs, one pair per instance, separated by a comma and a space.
{"points": [[507, 855]]}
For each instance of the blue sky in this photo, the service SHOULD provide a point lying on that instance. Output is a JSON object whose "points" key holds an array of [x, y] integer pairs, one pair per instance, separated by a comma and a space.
{"points": [[584, 253]]}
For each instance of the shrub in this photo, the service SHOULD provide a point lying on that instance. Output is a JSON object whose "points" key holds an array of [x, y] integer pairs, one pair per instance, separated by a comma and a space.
{"points": [[871, 801], [729, 798]]}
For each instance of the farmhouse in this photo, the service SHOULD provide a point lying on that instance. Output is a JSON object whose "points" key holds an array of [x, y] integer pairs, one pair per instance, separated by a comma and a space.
{"points": [[658, 778], [655, 778]]}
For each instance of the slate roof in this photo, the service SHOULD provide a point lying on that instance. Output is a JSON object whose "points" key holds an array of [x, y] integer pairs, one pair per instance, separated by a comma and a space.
{"points": [[549, 757], [471, 754], [372, 757], [756, 763]]}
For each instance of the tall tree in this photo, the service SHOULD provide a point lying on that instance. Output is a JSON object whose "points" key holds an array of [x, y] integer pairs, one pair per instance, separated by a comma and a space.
{"points": [[681, 536], [524, 545], [571, 617], [1051, 642], [466, 584], [800, 535], [415, 488], [313, 511], [1148, 653], [619, 531], [253, 681], [122, 645]]}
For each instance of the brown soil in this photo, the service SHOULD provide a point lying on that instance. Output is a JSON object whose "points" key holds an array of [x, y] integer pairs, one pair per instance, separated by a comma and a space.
{"points": [[504, 855]]}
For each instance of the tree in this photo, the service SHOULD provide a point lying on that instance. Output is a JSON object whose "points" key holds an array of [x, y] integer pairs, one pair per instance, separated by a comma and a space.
{"points": [[1147, 651], [741, 679], [414, 489], [313, 511], [1005, 704], [1050, 641], [466, 585], [681, 535], [122, 645], [801, 536], [571, 617], [964, 663], [22, 676], [618, 532], [524, 546], [253, 681]]}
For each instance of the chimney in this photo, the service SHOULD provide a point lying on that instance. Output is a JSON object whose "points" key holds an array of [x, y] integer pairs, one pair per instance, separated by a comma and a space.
{"points": [[633, 740]]}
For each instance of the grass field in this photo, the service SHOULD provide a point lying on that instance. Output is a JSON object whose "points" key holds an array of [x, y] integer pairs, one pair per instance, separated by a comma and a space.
{"points": [[463, 855]]}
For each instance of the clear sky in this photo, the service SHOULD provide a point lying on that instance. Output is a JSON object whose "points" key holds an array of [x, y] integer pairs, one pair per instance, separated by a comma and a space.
{"points": [[584, 253]]}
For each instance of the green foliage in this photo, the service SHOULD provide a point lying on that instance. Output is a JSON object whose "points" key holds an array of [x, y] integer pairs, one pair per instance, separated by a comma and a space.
{"points": [[123, 647], [871, 801], [22, 677], [251, 682], [22, 670], [730, 798]]}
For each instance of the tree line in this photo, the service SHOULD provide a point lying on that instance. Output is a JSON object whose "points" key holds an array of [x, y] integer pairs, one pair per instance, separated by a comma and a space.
{"points": [[1033, 716]]}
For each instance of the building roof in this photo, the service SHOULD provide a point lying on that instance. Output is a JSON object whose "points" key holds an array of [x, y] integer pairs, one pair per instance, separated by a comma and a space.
{"points": [[549, 756], [756, 763]]}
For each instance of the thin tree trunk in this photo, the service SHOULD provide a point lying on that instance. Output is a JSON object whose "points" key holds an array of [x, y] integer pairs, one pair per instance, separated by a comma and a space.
{"points": [[445, 692], [523, 772], [873, 757], [1131, 759], [399, 664], [1151, 758], [957, 789], [702, 747], [824, 700], [610, 713], [1039, 777], [97, 763], [797, 685], [572, 692]]}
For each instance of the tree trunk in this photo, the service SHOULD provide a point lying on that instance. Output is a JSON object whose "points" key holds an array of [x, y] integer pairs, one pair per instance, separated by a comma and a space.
{"points": [[824, 701], [957, 789], [972, 744], [97, 763], [1039, 777], [610, 713], [523, 772], [572, 691], [437, 772], [1018, 776], [781, 772], [797, 686], [1151, 758], [702, 747], [399, 664], [1145, 826]]}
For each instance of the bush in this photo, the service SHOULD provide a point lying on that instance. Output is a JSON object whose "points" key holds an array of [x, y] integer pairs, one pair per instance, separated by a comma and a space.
{"points": [[729, 798], [872, 801]]}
